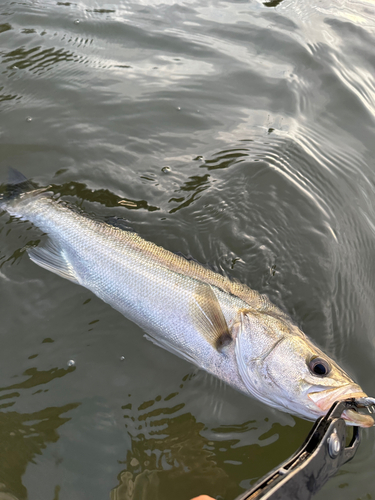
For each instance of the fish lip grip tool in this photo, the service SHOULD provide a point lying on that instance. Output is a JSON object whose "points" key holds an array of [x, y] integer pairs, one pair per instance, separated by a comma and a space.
{"points": [[322, 454]]}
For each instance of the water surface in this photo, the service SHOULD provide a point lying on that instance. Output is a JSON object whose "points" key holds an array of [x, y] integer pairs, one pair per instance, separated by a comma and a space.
{"points": [[239, 133]]}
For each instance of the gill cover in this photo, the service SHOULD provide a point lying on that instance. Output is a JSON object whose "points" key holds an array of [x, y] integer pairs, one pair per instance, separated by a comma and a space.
{"points": [[257, 336]]}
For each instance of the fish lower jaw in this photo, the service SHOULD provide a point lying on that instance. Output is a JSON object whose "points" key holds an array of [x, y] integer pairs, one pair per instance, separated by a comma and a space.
{"points": [[351, 417]]}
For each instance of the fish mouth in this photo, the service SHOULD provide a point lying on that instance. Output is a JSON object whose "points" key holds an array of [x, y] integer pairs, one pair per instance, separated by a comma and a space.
{"points": [[325, 399]]}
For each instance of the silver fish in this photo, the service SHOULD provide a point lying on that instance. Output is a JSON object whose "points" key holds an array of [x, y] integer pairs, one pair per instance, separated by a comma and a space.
{"points": [[221, 326]]}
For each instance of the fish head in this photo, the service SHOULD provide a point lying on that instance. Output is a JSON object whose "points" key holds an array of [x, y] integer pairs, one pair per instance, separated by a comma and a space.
{"points": [[280, 366]]}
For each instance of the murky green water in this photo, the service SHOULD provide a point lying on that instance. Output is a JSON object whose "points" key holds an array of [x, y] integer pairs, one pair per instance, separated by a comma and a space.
{"points": [[240, 133]]}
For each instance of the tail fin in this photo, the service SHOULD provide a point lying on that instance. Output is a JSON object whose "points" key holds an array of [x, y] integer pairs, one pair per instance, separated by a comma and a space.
{"points": [[17, 184]]}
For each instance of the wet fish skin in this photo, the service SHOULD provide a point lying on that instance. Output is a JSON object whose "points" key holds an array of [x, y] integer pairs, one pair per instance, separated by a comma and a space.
{"points": [[223, 327]]}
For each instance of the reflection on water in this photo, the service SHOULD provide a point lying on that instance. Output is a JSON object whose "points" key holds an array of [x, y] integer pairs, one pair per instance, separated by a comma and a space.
{"points": [[25, 435], [36, 59], [272, 3], [225, 159], [22, 437], [176, 459], [197, 184], [102, 196], [37, 378], [172, 455]]}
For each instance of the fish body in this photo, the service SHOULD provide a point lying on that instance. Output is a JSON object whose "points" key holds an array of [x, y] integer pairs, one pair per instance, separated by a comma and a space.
{"points": [[223, 327], [151, 286]]}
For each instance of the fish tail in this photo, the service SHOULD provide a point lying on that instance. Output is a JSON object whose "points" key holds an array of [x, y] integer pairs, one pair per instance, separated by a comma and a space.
{"points": [[17, 184]]}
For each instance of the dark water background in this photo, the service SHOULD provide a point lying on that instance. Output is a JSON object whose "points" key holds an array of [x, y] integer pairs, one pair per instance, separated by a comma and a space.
{"points": [[238, 132]]}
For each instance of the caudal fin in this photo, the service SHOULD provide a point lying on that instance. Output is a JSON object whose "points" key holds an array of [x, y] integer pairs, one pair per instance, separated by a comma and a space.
{"points": [[17, 184]]}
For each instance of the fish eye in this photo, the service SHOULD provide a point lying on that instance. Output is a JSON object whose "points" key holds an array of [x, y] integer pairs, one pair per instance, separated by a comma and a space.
{"points": [[319, 366]]}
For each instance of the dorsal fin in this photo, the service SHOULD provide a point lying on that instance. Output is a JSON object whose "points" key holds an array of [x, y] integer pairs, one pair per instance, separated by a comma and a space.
{"points": [[119, 222], [189, 258]]}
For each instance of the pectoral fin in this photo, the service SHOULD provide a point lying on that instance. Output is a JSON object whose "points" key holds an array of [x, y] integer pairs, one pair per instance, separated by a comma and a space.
{"points": [[209, 318], [52, 258]]}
